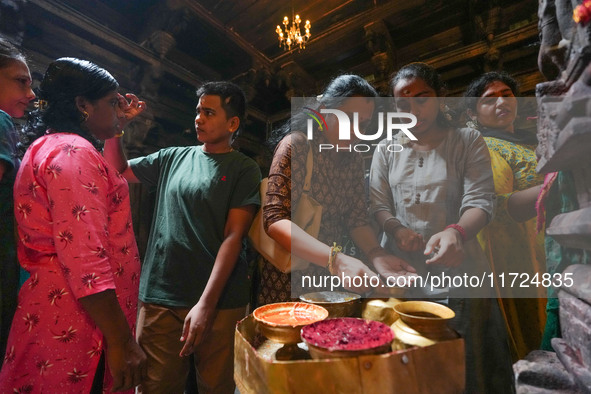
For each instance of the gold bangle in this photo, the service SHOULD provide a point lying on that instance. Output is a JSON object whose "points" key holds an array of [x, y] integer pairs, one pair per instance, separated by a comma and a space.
{"points": [[334, 250], [120, 134]]}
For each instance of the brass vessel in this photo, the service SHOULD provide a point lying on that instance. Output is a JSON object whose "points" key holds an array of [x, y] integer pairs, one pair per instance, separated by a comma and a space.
{"points": [[422, 323], [337, 303], [287, 334]]}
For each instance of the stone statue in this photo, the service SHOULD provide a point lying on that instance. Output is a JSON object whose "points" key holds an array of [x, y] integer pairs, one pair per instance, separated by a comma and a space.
{"points": [[564, 134]]}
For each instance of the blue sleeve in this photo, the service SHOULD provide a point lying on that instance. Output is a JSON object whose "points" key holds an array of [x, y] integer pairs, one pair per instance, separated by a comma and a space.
{"points": [[8, 140]]}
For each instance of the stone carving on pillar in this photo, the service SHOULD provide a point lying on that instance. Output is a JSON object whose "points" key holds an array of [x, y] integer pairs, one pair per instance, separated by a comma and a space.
{"points": [[297, 81], [12, 20], [564, 134], [166, 22], [564, 124], [379, 43], [161, 42], [484, 26]]}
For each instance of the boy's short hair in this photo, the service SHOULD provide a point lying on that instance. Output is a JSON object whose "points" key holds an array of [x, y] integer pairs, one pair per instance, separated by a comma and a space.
{"points": [[231, 96]]}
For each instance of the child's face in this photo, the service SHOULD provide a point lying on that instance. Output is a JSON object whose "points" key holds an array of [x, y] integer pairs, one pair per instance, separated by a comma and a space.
{"points": [[15, 88], [212, 123]]}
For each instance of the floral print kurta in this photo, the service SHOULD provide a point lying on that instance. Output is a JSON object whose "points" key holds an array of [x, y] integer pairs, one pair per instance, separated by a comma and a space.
{"points": [[75, 239]]}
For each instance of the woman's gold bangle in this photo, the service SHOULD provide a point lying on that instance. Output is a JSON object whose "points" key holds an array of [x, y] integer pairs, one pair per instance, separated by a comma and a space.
{"points": [[332, 256]]}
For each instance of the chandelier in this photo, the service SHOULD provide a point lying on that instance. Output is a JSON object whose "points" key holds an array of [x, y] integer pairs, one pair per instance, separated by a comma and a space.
{"points": [[291, 35]]}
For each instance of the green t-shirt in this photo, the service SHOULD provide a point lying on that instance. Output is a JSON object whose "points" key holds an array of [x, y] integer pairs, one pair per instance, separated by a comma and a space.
{"points": [[194, 193]]}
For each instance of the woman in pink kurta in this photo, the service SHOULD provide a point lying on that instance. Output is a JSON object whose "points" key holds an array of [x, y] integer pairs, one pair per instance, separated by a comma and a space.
{"points": [[76, 240]]}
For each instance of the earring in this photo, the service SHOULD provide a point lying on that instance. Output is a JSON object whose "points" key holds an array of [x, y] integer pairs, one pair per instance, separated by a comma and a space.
{"points": [[473, 123], [85, 115], [446, 111]]}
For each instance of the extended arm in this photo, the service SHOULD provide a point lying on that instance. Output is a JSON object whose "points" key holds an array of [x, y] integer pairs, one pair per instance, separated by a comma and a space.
{"points": [[476, 208], [113, 151], [200, 318], [303, 245], [522, 204]]}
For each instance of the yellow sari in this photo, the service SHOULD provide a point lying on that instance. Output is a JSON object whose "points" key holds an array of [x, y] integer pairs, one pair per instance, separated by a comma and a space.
{"points": [[507, 242]]}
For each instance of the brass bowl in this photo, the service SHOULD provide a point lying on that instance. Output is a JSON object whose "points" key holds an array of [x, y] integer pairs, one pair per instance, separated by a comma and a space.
{"points": [[337, 303], [340, 337], [282, 322], [424, 316], [422, 323]]}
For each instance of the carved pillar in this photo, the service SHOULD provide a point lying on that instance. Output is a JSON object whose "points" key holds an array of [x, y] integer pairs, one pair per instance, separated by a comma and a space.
{"points": [[484, 26], [165, 23], [379, 43], [297, 81], [12, 21]]}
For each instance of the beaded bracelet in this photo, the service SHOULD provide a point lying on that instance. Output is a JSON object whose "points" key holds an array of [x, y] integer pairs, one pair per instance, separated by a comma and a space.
{"points": [[334, 250], [120, 134], [459, 229]]}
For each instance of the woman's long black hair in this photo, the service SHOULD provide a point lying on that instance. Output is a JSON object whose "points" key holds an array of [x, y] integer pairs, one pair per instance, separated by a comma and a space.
{"points": [[337, 91], [9, 53], [65, 79], [477, 87]]}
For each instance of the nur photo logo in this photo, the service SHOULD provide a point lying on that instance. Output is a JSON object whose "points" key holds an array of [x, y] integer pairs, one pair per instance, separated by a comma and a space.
{"points": [[388, 124]]}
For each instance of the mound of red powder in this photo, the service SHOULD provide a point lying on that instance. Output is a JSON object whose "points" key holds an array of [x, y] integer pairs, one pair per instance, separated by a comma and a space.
{"points": [[347, 333]]}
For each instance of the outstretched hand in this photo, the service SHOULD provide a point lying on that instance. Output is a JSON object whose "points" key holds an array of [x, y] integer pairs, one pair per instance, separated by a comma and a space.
{"points": [[131, 106], [350, 267], [446, 247], [388, 265], [408, 240]]}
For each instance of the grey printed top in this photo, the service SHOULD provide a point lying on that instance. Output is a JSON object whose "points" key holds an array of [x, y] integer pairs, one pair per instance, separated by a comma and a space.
{"points": [[428, 190]]}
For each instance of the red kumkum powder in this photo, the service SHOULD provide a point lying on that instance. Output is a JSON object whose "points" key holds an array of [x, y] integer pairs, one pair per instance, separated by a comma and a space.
{"points": [[347, 334]]}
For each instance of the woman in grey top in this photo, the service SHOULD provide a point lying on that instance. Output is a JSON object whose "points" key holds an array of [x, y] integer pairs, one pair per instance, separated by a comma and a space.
{"points": [[431, 199]]}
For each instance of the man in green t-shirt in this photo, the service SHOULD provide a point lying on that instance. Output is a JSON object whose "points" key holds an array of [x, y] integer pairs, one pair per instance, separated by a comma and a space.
{"points": [[194, 282]]}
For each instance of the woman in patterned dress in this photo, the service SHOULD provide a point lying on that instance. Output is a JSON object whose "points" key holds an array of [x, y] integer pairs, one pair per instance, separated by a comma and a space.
{"points": [[511, 241], [78, 308], [337, 184]]}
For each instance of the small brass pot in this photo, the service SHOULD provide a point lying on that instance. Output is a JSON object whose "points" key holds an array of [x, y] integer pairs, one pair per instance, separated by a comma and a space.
{"points": [[422, 323], [337, 303]]}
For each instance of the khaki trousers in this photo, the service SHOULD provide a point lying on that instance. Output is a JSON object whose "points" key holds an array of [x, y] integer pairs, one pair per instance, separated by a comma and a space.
{"points": [[159, 330]]}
